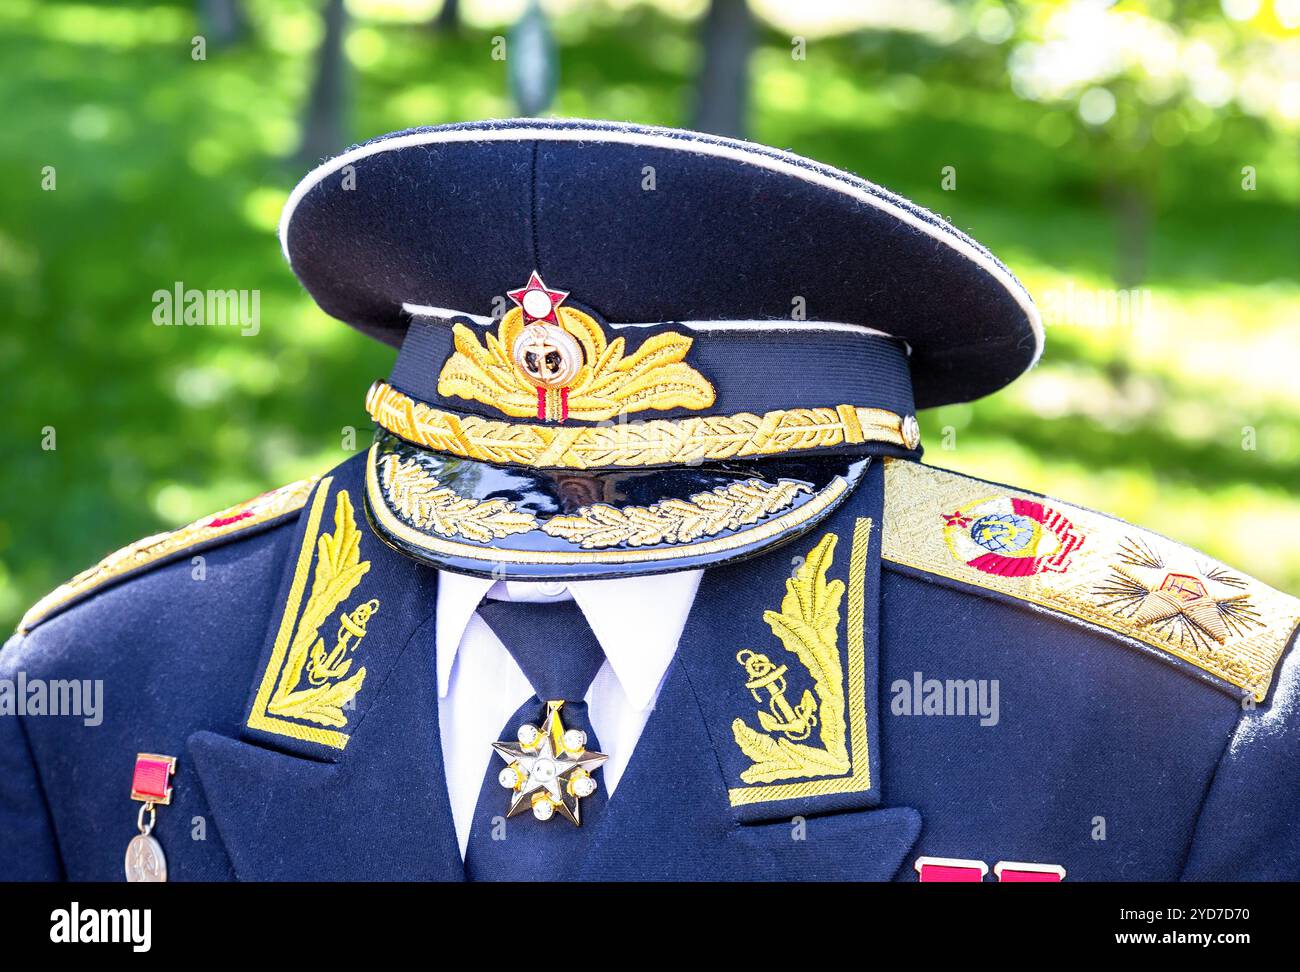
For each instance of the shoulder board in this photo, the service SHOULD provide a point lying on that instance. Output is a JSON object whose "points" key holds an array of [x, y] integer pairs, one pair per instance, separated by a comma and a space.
{"points": [[1091, 567], [154, 550]]}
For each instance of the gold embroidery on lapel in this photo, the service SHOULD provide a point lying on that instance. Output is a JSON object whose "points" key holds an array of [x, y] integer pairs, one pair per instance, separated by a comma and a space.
{"points": [[304, 680], [609, 383], [808, 626]]}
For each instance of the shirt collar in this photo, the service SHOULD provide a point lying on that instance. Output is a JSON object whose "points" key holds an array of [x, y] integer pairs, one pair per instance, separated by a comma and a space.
{"points": [[637, 620]]}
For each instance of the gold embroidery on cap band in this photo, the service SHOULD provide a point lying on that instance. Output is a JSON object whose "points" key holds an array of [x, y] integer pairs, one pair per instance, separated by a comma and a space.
{"points": [[655, 442], [808, 627], [675, 520], [393, 525], [607, 383], [150, 550], [1090, 567]]}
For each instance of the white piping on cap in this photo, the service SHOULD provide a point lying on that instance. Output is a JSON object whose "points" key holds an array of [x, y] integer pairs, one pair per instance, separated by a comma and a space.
{"points": [[782, 162], [424, 310], [801, 327]]}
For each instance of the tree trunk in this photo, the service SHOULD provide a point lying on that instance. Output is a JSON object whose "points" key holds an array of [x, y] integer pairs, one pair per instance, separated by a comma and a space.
{"points": [[1133, 232], [722, 90], [222, 21], [323, 128], [447, 19]]}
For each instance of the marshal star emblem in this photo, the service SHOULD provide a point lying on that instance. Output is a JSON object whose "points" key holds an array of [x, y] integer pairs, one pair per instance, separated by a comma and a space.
{"points": [[1198, 605], [549, 769]]}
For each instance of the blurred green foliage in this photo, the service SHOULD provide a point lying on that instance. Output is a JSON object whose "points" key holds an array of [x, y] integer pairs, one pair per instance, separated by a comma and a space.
{"points": [[1183, 418]]}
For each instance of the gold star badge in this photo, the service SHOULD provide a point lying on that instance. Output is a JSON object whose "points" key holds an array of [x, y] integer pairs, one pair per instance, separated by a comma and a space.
{"points": [[1189, 603], [549, 769]]}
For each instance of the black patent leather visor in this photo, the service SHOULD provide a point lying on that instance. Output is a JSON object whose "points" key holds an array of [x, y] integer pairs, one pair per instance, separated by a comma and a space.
{"points": [[519, 523]]}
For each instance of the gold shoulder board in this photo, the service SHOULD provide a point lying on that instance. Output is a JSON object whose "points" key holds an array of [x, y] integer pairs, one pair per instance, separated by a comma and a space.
{"points": [[162, 546], [1091, 567]]}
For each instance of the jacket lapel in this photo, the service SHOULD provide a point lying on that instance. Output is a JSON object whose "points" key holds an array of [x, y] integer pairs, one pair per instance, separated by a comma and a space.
{"points": [[760, 761], [670, 818], [338, 774]]}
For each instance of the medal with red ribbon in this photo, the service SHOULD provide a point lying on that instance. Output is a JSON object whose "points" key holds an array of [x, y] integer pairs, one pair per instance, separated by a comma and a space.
{"points": [[151, 785]]}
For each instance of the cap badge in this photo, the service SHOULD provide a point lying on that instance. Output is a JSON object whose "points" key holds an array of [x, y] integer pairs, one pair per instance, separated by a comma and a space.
{"points": [[547, 354], [553, 363]]}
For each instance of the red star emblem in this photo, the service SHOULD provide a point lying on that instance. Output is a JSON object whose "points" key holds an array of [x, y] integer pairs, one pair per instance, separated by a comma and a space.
{"points": [[958, 519], [537, 300]]}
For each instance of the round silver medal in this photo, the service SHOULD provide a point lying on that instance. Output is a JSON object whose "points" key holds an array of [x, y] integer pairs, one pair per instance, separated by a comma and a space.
{"points": [[145, 861]]}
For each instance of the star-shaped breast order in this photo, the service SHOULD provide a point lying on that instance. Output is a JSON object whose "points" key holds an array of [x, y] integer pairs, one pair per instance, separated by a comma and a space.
{"points": [[549, 769]]}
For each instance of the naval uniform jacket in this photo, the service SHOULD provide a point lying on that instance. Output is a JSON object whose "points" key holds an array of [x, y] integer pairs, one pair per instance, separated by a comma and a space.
{"points": [[1123, 707]]}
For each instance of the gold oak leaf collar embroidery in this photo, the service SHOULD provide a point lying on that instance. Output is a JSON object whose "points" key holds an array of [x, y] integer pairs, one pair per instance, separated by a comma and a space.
{"points": [[608, 383], [807, 625], [317, 680]]}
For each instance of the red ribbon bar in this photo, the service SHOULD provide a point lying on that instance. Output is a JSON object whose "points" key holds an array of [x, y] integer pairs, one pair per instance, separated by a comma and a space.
{"points": [[1012, 872], [935, 870], [151, 781]]}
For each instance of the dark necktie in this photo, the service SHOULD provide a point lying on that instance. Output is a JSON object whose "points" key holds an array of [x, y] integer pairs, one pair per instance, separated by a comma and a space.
{"points": [[559, 655]]}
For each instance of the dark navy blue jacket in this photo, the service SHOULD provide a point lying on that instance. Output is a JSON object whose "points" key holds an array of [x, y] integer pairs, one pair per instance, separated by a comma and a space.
{"points": [[1124, 708]]}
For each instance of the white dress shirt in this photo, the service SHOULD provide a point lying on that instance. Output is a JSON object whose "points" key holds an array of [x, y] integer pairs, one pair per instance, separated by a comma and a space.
{"points": [[638, 622]]}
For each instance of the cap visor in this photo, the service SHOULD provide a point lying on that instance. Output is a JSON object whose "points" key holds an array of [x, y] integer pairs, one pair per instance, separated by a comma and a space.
{"points": [[517, 523]]}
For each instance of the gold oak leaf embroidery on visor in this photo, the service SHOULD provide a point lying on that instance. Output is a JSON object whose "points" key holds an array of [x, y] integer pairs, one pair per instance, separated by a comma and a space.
{"points": [[610, 381], [808, 625], [676, 520], [424, 502], [317, 680]]}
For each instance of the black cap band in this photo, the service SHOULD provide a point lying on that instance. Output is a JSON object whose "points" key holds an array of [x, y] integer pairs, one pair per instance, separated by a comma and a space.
{"points": [[753, 367]]}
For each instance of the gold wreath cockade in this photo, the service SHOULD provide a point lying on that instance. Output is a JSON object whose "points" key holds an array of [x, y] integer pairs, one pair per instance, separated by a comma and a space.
{"points": [[610, 381], [676, 520], [421, 500], [317, 680], [808, 626]]}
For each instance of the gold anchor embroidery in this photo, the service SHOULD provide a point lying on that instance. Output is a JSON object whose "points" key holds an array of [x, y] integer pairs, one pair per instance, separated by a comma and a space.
{"points": [[321, 667], [794, 722]]}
